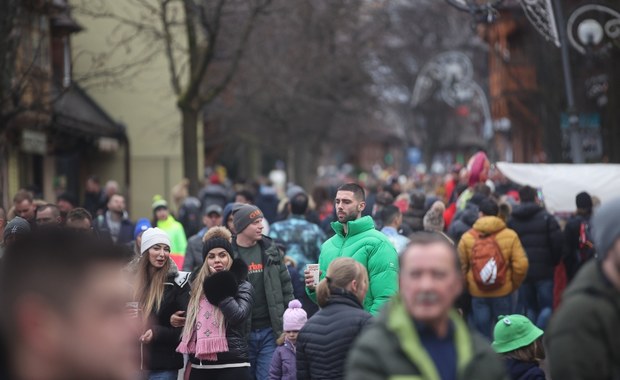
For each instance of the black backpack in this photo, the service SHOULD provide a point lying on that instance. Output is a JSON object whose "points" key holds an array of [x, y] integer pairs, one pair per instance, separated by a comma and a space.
{"points": [[586, 249]]}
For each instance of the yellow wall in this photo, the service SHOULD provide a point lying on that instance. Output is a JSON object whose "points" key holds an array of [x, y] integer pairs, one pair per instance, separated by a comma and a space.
{"points": [[145, 103]]}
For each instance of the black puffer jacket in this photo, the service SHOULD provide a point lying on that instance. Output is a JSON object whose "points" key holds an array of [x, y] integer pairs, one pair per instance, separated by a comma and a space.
{"points": [[572, 230], [541, 238], [162, 355], [413, 219], [324, 342], [235, 308]]}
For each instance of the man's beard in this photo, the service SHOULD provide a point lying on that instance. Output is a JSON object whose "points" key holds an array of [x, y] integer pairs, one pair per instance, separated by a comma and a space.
{"points": [[349, 218]]}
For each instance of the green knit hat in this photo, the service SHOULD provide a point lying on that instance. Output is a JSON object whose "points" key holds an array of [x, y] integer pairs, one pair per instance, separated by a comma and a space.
{"points": [[513, 332], [159, 202]]}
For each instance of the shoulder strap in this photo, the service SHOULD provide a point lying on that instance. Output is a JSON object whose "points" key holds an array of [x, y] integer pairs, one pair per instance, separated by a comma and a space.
{"points": [[182, 278], [475, 233]]}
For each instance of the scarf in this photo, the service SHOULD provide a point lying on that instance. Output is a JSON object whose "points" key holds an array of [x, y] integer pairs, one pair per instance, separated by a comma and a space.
{"points": [[208, 337]]}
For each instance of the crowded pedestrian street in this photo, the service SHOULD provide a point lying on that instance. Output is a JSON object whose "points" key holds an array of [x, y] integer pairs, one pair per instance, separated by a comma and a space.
{"points": [[309, 190]]}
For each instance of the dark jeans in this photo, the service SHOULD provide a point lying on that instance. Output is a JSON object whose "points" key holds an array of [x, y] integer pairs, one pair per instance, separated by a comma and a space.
{"points": [[262, 345], [242, 373], [163, 375], [485, 312], [537, 300]]}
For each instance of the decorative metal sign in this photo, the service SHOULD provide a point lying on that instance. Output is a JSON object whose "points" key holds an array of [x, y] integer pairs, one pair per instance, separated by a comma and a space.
{"points": [[593, 27], [450, 75], [540, 13]]}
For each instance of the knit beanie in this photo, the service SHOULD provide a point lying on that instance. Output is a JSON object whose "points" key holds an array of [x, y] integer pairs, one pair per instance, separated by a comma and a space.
{"points": [[433, 220], [153, 236], [17, 226], [245, 216], [513, 332], [294, 317], [583, 201], [217, 237], [158, 202], [141, 226], [605, 227]]}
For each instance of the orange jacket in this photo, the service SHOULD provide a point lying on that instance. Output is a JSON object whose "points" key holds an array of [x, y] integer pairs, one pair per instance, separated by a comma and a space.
{"points": [[511, 248]]}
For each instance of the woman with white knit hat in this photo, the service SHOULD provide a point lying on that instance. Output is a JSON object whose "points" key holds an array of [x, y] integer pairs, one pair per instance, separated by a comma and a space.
{"points": [[160, 291]]}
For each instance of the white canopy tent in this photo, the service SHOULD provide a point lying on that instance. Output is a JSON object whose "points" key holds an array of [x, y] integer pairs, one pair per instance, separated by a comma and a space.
{"points": [[560, 183]]}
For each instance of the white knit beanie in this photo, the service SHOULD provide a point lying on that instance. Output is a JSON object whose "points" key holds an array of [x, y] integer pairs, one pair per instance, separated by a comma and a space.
{"points": [[153, 236]]}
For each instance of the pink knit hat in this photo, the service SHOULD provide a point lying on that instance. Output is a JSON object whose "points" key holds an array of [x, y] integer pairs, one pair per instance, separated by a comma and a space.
{"points": [[294, 317]]}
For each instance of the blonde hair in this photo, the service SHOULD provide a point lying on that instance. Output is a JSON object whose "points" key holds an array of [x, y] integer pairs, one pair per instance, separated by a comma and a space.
{"points": [[197, 291], [150, 287], [340, 274], [281, 339]]}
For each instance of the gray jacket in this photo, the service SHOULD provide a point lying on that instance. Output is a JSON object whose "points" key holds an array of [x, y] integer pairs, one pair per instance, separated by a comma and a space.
{"points": [[193, 252]]}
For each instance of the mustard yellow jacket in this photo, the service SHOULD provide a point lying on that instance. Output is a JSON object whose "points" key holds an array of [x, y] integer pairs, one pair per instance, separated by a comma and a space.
{"points": [[511, 248]]}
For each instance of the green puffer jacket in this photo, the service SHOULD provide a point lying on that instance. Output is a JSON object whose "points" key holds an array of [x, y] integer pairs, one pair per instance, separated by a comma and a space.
{"points": [[373, 250], [583, 338], [278, 287], [391, 349]]}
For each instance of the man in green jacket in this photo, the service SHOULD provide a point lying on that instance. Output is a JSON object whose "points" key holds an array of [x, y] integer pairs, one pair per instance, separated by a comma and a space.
{"points": [[419, 336], [583, 338], [356, 237], [272, 286]]}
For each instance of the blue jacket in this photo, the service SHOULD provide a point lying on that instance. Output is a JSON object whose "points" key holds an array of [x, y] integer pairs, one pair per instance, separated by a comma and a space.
{"points": [[303, 240]]}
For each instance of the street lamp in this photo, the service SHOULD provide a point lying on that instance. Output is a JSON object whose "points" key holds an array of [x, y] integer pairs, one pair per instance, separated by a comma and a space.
{"points": [[590, 32], [482, 10], [593, 28]]}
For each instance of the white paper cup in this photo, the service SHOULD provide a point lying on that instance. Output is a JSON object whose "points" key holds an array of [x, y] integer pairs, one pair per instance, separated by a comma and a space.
{"points": [[314, 270]]}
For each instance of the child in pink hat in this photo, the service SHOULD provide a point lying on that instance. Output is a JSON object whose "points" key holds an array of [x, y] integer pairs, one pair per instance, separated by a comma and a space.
{"points": [[283, 364]]}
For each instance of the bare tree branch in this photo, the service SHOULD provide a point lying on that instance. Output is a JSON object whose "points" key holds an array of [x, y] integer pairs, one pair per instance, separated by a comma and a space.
{"points": [[168, 41]]}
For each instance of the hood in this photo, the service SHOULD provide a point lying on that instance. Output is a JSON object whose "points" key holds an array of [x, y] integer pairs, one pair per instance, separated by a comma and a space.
{"points": [[355, 227], [271, 250], [489, 225], [526, 210], [470, 214], [173, 271]]}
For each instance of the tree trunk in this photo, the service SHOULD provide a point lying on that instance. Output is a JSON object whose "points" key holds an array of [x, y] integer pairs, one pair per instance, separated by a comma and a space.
{"points": [[291, 162], [190, 147]]}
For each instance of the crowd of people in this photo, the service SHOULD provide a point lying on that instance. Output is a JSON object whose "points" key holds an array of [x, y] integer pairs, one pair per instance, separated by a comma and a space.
{"points": [[476, 281]]}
